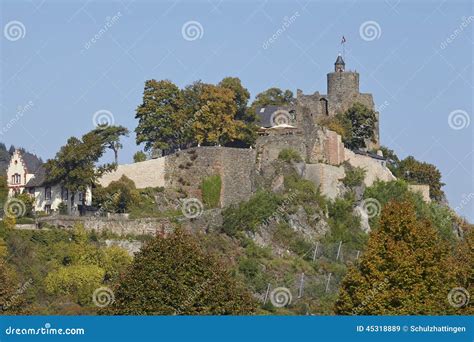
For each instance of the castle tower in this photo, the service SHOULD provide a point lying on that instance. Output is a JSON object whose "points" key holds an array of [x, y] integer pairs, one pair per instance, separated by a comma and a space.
{"points": [[343, 87]]}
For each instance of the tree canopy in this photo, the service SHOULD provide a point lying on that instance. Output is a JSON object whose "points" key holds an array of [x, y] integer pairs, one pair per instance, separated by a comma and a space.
{"points": [[407, 269], [173, 275]]}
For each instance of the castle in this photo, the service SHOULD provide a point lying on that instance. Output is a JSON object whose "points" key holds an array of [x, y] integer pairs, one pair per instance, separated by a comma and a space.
{"points": [[294, 126]]}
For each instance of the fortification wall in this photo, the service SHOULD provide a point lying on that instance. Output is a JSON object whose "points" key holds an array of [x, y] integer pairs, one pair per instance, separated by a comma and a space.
{"points": [[422, 189], [149, 173], [327, 178], [374, 169]]}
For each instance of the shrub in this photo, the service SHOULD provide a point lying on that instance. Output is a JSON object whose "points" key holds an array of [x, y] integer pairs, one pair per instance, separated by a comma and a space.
{"points": [[139, 157], [211, 191], [250, 215], [289, 155], [354, 176]]}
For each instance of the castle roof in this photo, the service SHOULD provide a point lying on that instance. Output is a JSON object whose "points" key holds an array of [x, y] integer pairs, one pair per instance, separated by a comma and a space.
{"points": [[339, 60], [266, 115]]}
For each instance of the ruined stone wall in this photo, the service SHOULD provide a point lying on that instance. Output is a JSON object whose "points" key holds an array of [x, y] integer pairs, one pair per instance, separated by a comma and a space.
{"points": [[149, 173], [327, 178], [422, 189], [269, 147], [185, 170], [375, 169]]}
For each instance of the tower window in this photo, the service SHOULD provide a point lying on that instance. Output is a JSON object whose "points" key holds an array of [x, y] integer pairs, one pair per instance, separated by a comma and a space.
{"points": [[47, 193]]}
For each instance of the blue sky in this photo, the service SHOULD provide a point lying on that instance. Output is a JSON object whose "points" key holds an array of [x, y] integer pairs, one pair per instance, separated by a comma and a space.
{"points": [[414, 56]]}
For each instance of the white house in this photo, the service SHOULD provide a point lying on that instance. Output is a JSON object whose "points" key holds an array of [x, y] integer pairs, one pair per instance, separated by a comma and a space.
{"points": [[26, 173]]}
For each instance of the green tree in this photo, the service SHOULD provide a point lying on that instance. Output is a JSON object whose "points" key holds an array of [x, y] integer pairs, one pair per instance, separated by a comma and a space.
{"points": [[361, 122], [273, 96], [74, 166], [3, 191], [174, 275], [407, 269], [157, 115], [139, 156], [111, 137], [418, 172]]}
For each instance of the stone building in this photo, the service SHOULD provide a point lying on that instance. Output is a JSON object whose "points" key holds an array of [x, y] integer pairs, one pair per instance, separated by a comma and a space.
{"points": [[342, 92]]}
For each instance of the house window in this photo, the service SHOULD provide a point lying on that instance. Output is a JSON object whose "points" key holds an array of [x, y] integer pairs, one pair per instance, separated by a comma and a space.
{"points": [[31, 191], [47, 208], [16, 178], [81, 195], [47, 193]]}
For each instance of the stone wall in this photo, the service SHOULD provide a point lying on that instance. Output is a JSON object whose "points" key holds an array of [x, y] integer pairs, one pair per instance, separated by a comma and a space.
{"points": [[327, 178], [374, 168], [422, 189], [185, 171], [149, 173]]}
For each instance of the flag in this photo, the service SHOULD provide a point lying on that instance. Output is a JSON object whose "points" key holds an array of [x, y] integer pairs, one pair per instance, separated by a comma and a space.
{"points": [[343, 40]]}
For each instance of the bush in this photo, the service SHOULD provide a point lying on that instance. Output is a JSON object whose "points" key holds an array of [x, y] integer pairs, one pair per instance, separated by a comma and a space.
{"points": [[250, 215], [211, 191], [139, 157], [354, 176], [289, 155]]}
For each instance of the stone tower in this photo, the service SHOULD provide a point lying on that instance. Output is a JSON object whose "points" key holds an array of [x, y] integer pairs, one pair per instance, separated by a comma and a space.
{"points": [[343, 88]]}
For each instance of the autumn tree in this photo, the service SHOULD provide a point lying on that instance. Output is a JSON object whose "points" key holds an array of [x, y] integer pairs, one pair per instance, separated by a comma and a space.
{"points": [[157, 115], [241, 97], [214, 122], [465, 271], [407, 269], [173, 275]]}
